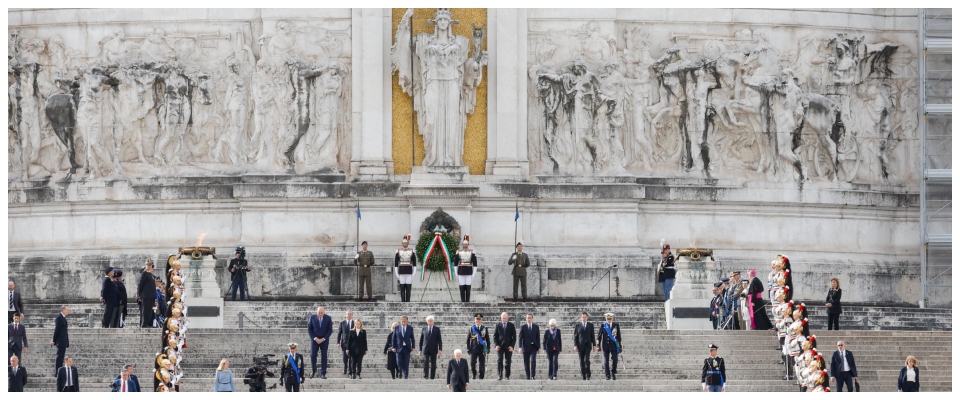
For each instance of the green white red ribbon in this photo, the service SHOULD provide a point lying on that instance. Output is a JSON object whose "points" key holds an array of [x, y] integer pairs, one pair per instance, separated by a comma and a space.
{"points": [[429, 252]]}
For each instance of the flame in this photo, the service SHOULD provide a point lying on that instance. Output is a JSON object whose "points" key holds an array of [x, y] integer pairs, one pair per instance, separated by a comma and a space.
{"points": [[200, 239]]}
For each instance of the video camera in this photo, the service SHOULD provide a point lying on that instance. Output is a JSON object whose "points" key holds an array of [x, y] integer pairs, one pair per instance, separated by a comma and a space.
{"points": [[265, 361]]}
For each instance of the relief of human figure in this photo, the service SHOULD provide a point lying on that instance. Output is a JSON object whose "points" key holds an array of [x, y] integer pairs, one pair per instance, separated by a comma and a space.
{"points": [[437, 84], [112, 49], [232, 142], [640, 150], [175, 111], [136, 98], [317, 150], [28, 118], [263, 139], [95, 115], [155, 48], [785, 114], [613, 122]]}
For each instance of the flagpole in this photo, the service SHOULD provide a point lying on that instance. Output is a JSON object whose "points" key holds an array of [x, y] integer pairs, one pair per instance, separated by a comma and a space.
{"points": [[515, 223], [357, 248]]}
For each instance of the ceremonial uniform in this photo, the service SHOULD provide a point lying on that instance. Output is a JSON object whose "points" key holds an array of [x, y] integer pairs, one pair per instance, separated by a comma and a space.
{"points": [[714, 376], [585, 340], [292, 371], [478, 345], [404, 267], [611, 344], [520, 262], [364, 261], [504, 337], [466, 262]]}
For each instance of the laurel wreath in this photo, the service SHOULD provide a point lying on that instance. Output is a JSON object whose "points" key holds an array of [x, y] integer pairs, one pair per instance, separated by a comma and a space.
{"points": [[436, 262]]}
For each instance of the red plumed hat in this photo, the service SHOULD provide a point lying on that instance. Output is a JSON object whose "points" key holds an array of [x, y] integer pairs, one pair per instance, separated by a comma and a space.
{"points": [[802, 306], [804, 322]]}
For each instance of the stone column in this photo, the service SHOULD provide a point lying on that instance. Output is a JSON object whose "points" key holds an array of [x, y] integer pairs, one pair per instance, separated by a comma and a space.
{"points": [[506, 95], [368, 95]]}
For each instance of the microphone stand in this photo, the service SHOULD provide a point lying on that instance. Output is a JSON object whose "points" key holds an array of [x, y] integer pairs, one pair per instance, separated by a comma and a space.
{"points": [[607, 275]]}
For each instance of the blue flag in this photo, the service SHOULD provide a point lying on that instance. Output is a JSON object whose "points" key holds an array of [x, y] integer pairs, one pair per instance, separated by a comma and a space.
{"points": [[358, 210], [516, 217]]}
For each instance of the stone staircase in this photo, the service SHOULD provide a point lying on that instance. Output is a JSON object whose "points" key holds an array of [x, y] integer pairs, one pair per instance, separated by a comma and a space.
{"points": [[653, 359]]}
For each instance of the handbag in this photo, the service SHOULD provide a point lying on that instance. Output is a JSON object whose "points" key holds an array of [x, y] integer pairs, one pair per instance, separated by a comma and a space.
{"points": [[856, 386]]}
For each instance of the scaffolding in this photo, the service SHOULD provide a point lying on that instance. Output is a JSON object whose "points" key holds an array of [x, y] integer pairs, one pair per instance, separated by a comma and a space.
{"points": [[936, 123]]}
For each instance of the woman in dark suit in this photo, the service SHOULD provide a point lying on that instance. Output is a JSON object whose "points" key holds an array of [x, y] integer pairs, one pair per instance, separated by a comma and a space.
{"points": [[833, 305], [552, 345], [391, 358], [358, 349], [909, 380]]}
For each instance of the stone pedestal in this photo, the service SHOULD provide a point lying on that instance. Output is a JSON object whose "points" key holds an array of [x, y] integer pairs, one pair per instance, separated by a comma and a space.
{"points": [[689, 304], [203, 298], [440, 175], [437, 288]]}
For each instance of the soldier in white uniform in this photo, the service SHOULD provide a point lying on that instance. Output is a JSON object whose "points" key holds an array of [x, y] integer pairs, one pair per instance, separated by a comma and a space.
{"points": [[404, 268], [466, 262]]}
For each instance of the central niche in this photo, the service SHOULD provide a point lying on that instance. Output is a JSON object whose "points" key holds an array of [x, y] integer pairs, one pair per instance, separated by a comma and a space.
{"points": [[441, 221]]}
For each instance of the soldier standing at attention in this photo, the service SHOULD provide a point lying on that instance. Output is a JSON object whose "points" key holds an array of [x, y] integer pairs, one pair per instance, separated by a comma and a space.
{"points": [[466, 262], [364, 260], [405, 264], [478, 345], [714, 376], [520, 262], [610, 343]]}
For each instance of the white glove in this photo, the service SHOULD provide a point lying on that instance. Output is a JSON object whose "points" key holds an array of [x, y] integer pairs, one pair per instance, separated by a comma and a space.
{"points": [[356, 256]]}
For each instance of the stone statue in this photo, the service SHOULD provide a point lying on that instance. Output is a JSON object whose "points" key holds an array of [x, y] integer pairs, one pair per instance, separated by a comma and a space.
{"points": [[95, 122], [439, 84], [112, 49], [175, 111], [317, 150]]}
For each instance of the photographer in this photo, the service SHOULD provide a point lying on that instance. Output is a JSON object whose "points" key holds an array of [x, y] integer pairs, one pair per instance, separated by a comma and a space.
{"points": [[257, 373], [238, 274]]}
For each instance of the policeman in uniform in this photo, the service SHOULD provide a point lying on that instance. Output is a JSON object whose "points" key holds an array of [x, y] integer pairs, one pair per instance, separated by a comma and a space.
{"points": [[520, 262], [404, 267], [478, 345], [291, 374], [714, 376], [611, 344], [364, 261], [466, 262]]}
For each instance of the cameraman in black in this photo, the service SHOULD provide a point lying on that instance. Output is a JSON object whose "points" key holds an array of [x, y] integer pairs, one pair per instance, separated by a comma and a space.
{"points": [[238, 273], [257, 373]]}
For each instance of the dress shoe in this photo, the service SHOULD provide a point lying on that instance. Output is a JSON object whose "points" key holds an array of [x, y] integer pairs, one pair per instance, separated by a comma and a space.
{"points": [[608, 377], [500, 378], [614, 377], [358, 376], [324, 376], [353, 377], [313, 374]]}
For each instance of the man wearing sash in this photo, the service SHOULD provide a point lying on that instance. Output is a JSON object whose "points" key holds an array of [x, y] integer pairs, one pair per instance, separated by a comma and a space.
{"points": [[291, 374], [404, 267], [610, 343], [466, 262], [714, 376], [478, 345]]}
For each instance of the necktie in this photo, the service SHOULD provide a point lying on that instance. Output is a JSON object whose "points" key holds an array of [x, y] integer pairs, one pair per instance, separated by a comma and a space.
{"points": [[15, 327], [124, 388], [430, 331], [69, 381]]}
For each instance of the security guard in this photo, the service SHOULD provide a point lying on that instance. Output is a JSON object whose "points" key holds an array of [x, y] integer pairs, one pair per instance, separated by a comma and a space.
{"points": [[364, 260], [520, 262], [478, 345], [611, 344], [291, 374], [714, 376], [404, 267]]}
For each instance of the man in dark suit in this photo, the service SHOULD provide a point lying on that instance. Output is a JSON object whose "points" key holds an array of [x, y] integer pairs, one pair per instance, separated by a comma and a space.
{"points": [[122, 290], [584, 341], [529, 346], [320, 327], [126, 381], [16, 375], [17, 342], [843, 368], [110, 297], [68, 379], [343, 340], [60, 337], [15, 302], [431, 346], [147, 295], [291, 374], [403, 344], [504, 338], [458, 374], [611, 344]]}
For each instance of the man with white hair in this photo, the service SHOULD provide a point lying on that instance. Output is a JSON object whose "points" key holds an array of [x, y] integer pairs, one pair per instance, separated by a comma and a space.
{"points": [[319, 327], [504, 338], [431, 346], [17, 375], [458, 375]]}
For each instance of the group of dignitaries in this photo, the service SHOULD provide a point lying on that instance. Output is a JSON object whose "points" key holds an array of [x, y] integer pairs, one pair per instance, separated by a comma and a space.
{"points": [[113, 296], [464, 259], [402, 342]]}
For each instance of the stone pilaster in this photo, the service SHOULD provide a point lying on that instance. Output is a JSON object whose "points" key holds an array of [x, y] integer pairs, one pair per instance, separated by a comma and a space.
{"points": [[506, 137], [368, 105]]}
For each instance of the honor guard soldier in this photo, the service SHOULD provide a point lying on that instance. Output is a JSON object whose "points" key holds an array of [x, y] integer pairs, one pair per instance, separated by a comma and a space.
{"points": [[405, 266], [610, 343], [364, 262], [291, 374], [584, 341], [520, 262], [466, 262], [478, 345], [714, 376]]}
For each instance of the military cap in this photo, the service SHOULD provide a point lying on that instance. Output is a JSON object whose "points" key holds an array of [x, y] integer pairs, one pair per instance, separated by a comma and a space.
{"points": [[292, 345], [725, 280], [519, 244], [364, 242], [107, 270], [713, 346], [118, 273], [608, 315], [149, 262], [478, 316], [734, 273], [718, 284]]}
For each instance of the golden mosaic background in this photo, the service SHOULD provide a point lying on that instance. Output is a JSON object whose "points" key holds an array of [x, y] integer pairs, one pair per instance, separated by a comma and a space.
{"points": [[475, 138]]}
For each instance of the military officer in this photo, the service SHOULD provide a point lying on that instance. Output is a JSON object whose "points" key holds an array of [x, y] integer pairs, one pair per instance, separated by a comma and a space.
{"points": [[466, 262], [478, 345], [364, 261], [291, 374], [584, 341], [520, 262], [610, 343], [714, 376], [404, 267]]}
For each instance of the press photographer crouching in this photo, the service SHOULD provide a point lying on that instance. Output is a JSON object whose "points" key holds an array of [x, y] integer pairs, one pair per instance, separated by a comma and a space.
{"points": [[258, 372], [238, 274]]}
